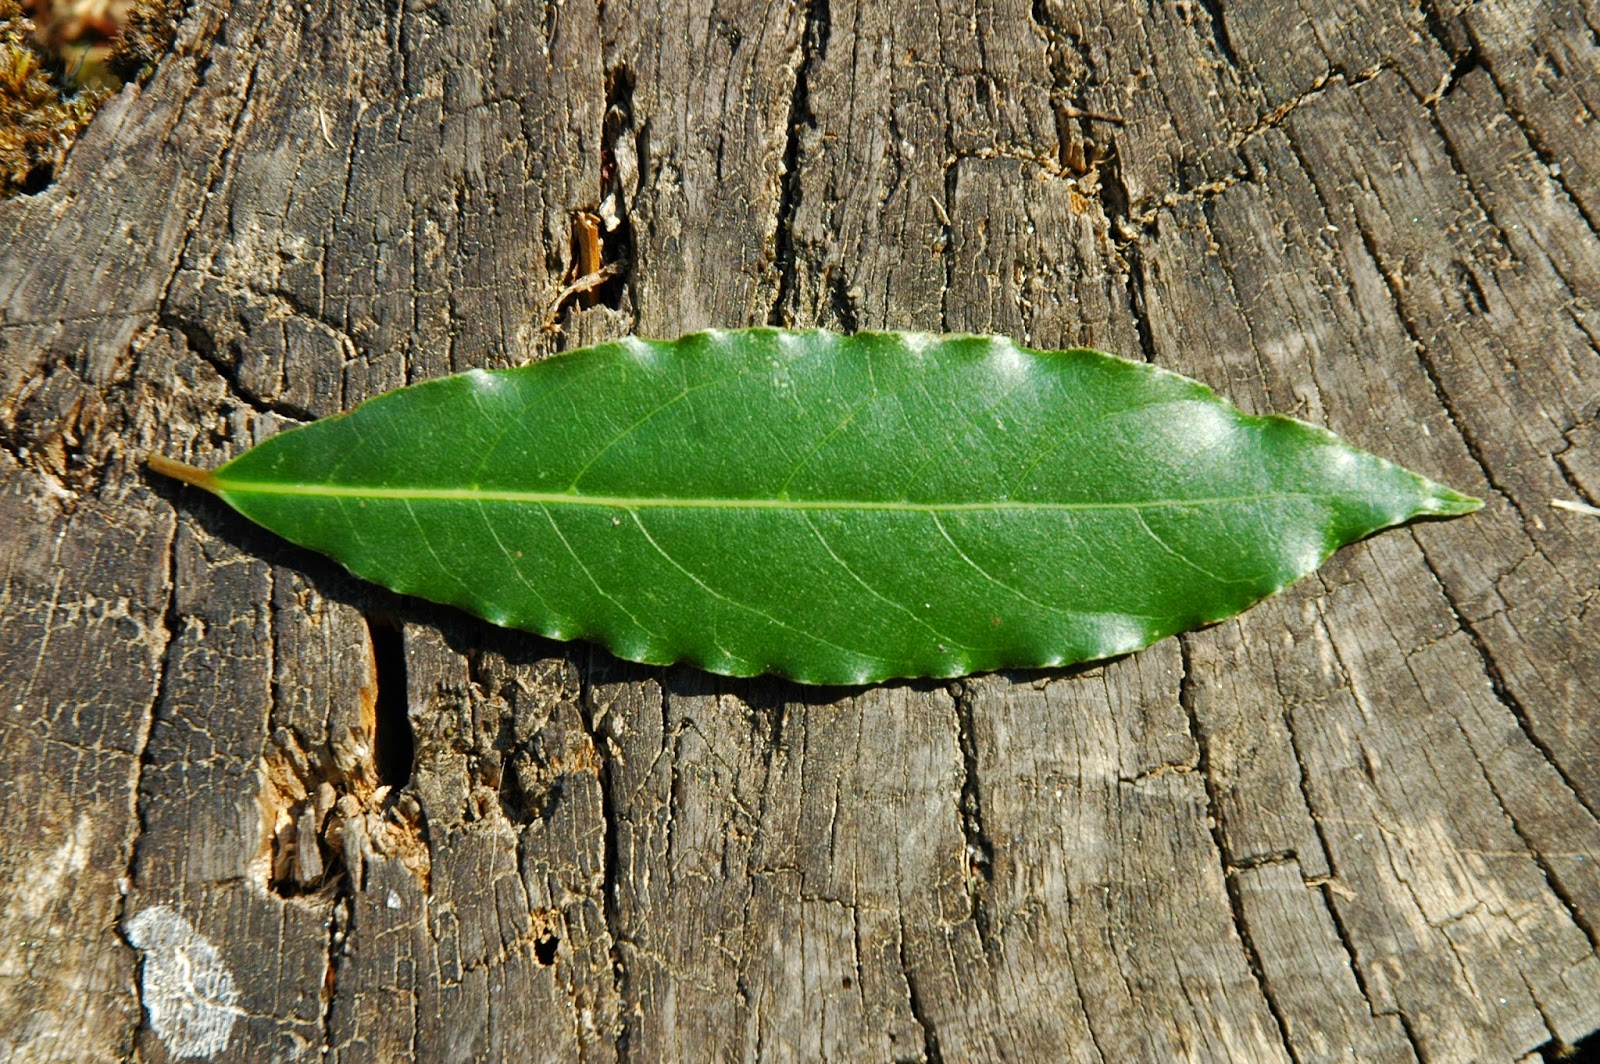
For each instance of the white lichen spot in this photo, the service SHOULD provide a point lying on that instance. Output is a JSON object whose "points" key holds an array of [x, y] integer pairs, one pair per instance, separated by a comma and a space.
{"points": [[393, 900], [186, 988], [917, 342], [1307, 556], [1006, 359], [483, 380], [1203, 424], [1120, 634]]}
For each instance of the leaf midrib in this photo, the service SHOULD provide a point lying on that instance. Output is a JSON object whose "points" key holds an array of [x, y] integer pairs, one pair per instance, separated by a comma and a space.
{"points": [[636, 502]]}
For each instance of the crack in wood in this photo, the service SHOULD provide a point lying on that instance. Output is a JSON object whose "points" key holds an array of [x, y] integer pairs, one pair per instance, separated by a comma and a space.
{"points": [[141, 762], [978, 855], [1535, 138], [1116, 204], [341, 916], [1463, 974], [1408, 1028], [919, 1013], [611, 873], [201, 340], [616, 125], [1425, 359], [1500, 686], [1552, 877], [1544, 1015], [946, 249], [1329, 890], [394, 743], [672, 752], [1219, 32], [1228, 864], [813, 49], [1079, 154], [222, 166]]}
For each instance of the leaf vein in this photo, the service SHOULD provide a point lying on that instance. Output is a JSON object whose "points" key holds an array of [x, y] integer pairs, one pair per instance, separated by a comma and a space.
{"points": [[612, 443], [422, 533], [562, 536], [645, 502], [981, 571], [511, 559], [875, 593], [713, 592], [1182, 557]]}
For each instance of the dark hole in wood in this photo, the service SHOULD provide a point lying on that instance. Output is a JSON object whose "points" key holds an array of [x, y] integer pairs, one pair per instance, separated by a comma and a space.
{"points": [[545, 949], [616, 124], [394, 745], [1584, 1051], [525, 794], [38, 179], [1465, 65], [841, 306], [1476, 299]]}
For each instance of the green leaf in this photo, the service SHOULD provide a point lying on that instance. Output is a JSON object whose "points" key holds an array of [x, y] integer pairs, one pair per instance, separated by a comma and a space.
{"points": [[832, 509]]}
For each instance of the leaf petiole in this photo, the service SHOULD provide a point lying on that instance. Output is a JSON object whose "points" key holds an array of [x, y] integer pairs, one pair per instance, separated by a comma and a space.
{"points": [[191, 475]]}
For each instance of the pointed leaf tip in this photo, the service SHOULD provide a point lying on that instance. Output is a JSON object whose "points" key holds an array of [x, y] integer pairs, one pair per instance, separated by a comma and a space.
{"points": [[1463, 504], [1447, 502]]}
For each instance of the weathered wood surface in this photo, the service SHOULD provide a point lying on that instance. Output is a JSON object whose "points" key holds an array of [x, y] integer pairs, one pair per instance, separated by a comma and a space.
{"points": [[1358, 822]]}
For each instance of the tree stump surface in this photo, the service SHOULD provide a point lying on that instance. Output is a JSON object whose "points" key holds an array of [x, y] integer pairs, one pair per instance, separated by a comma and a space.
{"points": [[260, 811]]}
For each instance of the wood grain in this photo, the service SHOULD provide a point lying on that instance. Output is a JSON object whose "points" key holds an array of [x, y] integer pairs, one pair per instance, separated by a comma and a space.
{"points": [[1356, 823]]}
